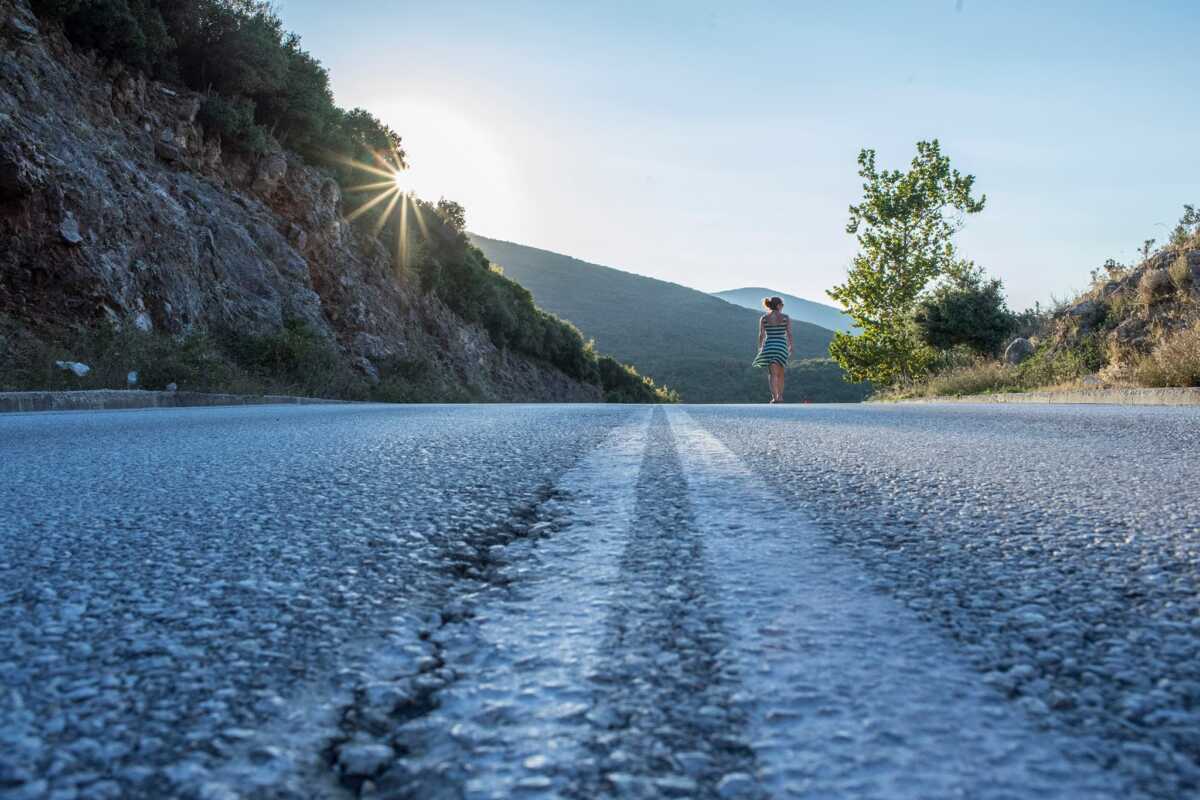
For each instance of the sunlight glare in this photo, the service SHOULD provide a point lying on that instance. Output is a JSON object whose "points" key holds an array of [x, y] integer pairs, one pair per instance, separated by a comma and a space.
{"points": [[455, 154], [455, 159]]}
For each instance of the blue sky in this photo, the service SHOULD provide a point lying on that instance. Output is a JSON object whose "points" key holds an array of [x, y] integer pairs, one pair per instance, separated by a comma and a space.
{"points": [[714, 144]]}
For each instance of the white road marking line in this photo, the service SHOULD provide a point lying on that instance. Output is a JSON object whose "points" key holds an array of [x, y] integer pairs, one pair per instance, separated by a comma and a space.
{"points": [[517, 713], [849, 693]]}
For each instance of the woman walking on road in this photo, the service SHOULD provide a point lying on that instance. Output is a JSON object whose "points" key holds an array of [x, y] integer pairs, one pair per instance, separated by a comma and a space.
{"points": [[774, 345]]}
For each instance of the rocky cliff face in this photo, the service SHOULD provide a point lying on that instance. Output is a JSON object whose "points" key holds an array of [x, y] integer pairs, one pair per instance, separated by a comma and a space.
{"points": [[115, 207]]}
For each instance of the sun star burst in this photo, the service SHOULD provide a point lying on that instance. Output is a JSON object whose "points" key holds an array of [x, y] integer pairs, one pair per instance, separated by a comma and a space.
{"points": [[390, 190]]}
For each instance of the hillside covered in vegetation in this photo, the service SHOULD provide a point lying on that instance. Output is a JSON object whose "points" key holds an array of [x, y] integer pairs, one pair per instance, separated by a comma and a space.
{"points": [[176, 190], [934, 324], [1137, 325], [698, 344]]}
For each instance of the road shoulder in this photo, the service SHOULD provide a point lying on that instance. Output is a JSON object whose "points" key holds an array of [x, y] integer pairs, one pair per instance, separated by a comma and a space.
{"points": [[1122, 397], [114, 399]]}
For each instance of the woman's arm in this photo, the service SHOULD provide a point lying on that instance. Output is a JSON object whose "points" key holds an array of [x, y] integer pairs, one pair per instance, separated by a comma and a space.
{"points": [[789, 330], [762, 331]]}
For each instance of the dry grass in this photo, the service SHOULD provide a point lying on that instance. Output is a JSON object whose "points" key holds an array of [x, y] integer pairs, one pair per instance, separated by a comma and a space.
{"points": [[1175, 361], [1180, 272], [1046, 369], [1122, 305], [980, 377], [1154, 286]]}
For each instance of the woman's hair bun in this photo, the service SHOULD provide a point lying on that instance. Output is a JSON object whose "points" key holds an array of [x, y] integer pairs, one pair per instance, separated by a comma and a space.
{"points": [[772, 303]]}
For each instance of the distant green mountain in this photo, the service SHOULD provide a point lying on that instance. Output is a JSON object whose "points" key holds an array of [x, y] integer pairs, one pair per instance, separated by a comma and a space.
{"points": [[796, 307], [695, 343]]}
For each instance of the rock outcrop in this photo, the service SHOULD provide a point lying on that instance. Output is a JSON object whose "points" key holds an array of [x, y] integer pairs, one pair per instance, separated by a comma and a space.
{"points": [[1018, 350], [116, 207], [1134, 310]]}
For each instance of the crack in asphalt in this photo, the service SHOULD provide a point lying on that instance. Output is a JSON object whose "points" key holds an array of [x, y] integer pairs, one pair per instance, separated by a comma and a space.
{"points": [[381, 730]]}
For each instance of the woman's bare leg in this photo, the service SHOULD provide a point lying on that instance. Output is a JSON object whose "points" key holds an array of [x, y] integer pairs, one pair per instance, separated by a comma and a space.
{"points": [[776, 382], [771, 379], [780, 377]]}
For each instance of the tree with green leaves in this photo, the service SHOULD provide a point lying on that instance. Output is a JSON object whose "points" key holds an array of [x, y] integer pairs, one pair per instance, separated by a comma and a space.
{"points": [[967, 309], [904, 226], [454, 214]]}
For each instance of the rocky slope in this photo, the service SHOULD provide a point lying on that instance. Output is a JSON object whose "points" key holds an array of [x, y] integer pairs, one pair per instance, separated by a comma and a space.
{"points": [[115, 207], [1134, 317]]}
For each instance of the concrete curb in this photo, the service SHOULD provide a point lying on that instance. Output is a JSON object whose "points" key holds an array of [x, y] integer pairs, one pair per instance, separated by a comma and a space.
{"points": [[109, 399], [1117, 397]]}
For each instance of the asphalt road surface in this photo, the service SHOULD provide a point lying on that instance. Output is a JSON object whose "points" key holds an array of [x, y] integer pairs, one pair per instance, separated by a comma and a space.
{"points": [[598, 601]]}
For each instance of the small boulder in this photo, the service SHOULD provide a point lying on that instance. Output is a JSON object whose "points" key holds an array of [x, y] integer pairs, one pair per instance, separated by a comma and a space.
{"points": [[1131, 330], [1082, 309], [169, 152], [1018, 350], [68, 229], [1087, 312], [76, 367], [131, 380], [172, 387]]}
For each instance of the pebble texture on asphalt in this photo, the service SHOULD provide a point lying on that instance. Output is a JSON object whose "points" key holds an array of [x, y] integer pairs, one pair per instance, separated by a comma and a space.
{"points": [[187, 592], [479, 602], [1058, 545]]}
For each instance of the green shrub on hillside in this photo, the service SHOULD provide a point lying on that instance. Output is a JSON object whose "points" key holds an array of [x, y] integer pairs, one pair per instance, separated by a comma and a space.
{"points": [[621, 383], [1188, 228], [966, 309], [295, 356], [233, 121], [1051, 367], [257, 76], [131, 30]]}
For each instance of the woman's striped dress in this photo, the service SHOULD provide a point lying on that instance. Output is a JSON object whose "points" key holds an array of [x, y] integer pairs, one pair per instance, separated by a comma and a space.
{"points": [[774, 347]]}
